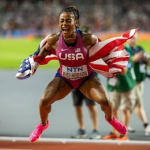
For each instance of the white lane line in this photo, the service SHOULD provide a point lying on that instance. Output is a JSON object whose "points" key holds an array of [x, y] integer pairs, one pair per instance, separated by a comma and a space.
{"points": [[65, 140]]}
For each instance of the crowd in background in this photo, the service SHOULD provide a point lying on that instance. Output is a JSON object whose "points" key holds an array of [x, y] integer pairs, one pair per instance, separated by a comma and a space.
{"points": [[41, 16]]}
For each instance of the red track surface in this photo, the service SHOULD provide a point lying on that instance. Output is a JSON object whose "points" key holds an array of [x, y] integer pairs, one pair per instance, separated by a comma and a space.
{"points": [[8, 145]]}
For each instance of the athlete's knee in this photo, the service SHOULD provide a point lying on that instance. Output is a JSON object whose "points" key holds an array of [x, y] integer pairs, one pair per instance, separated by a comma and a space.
{"points": [[106, 106], [104, 101], [45, 102]]}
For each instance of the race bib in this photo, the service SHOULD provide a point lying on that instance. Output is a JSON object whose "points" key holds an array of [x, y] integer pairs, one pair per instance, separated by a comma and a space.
{"points": [[74, 73], [113, 81]]}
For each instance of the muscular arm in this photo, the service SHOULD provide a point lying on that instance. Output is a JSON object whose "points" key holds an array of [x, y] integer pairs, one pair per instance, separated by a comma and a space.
{"points": [[50, 45]]}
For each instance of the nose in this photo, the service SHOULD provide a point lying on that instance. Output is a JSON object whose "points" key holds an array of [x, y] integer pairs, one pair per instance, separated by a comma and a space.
{"points": [[64, 22]]}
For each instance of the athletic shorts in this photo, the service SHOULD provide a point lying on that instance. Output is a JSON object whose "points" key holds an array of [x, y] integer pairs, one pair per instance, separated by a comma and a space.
{"points": [[76, 83], [124, 100], [139, 88], [78, 98]]}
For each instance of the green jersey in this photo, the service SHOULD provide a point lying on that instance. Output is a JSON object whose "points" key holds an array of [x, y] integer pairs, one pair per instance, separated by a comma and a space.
{"points": [[123, 83], [140, 67]]}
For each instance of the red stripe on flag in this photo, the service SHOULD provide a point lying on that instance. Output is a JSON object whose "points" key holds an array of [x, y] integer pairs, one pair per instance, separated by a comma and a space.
{"points": [[99, 67], [106, 49], [111, 45]]}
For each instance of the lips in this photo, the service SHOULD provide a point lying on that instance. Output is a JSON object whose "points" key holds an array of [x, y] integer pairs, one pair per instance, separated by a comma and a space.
{"points": [[65, 30]]}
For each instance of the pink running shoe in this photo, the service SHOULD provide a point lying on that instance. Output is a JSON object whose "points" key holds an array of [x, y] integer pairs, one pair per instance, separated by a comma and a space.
{"points": [[35, 135], [121, 128]]}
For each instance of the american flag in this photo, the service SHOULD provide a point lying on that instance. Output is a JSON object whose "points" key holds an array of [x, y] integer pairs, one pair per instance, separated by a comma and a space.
{"points": [[77, 50], [106, 57]]}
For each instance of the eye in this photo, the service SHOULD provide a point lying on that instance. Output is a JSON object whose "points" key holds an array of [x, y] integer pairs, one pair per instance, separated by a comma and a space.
{"points": [[69, 21], [61, 21]]}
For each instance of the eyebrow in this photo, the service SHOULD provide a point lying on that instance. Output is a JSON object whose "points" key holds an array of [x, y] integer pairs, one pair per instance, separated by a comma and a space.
{"points": [[65, 19]]}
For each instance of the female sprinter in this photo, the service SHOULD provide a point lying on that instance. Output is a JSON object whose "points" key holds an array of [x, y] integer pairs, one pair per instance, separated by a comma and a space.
{"points": [[71, 47]]}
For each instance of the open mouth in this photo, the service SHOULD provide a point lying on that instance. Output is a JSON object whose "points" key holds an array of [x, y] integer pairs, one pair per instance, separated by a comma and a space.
{"points": [[65, 30]]}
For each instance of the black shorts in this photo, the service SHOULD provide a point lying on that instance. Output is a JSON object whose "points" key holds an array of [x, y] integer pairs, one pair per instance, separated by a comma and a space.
{"points": [[78, 98]]}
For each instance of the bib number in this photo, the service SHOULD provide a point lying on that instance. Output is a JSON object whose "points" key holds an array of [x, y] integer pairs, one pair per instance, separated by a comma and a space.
{"points": [[74, 73]]}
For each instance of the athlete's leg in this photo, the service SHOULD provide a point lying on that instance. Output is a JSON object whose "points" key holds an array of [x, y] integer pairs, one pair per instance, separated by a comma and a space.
{"points": [[57, 89], [116, 115], [116, 100], [94, 90]]}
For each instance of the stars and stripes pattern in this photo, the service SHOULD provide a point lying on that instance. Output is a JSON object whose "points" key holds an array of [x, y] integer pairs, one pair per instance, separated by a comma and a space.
{"points": [[27, 68], [105, 57]]}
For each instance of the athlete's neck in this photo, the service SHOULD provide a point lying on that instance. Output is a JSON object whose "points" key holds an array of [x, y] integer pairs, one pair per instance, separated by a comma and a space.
{"points": [[70, 39]]}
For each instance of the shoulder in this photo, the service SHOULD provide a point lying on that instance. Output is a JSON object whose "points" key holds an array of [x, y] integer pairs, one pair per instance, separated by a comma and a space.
{"points": [[89, 39], [53, 38]]}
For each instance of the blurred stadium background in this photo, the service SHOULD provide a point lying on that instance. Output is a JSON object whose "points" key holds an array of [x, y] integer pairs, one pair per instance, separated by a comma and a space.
{"points": [[23, 23]]}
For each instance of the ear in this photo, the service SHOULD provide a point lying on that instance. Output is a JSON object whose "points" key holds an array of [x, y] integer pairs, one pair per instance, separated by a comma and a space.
{"points": [[77, 23]]}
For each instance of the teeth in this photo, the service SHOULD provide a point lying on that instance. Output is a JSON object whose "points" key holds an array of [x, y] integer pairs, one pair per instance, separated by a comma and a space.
{"points": [[65, 29]]}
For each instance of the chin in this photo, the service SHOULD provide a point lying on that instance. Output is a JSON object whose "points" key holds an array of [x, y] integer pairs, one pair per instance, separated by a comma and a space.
{"points": [[66, 33]]}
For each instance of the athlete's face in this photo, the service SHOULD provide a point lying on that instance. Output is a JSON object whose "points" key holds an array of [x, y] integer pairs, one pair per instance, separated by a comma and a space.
{"points": [[67, 23]]}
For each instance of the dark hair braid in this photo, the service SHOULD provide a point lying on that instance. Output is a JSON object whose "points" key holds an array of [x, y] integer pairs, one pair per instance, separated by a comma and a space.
{"points": [[75, 11]]}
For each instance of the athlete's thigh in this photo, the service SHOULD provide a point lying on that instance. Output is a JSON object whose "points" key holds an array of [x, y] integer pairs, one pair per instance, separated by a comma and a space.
{"points": [[57, 89], [94, 90]]}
